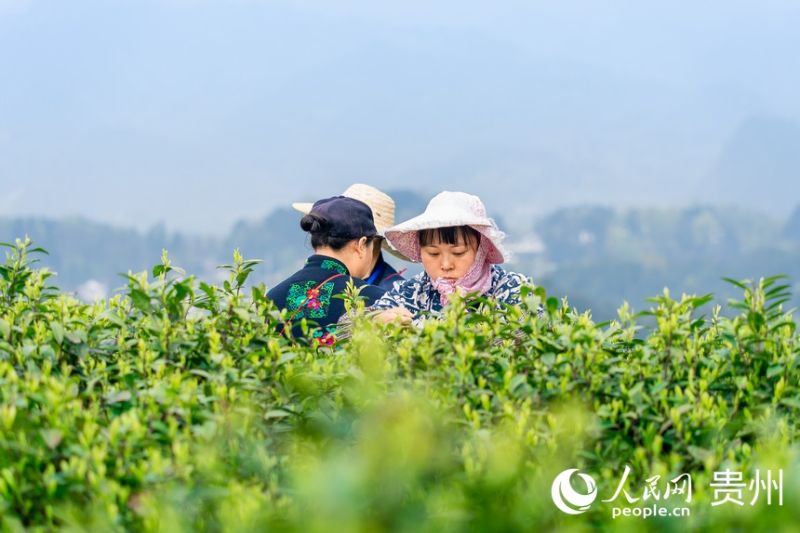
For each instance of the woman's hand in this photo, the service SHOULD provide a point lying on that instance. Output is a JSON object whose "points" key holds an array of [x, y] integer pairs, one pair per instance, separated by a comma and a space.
{"points": [[395, 314]]}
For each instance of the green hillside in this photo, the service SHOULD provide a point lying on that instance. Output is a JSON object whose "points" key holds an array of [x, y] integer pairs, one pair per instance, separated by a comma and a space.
{"points": [[597, 256]]}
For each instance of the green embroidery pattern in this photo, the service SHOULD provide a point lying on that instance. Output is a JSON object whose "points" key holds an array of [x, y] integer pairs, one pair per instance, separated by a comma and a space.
{"points": [[336, 266], [325, 336], [315, 307]]}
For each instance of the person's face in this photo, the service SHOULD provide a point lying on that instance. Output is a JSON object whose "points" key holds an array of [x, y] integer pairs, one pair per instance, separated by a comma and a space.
{"points": [[448, 261]]}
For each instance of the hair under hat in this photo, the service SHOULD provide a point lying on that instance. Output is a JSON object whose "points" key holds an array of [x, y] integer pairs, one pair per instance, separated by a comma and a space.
{"points": [[344, 218], [447, 209]]}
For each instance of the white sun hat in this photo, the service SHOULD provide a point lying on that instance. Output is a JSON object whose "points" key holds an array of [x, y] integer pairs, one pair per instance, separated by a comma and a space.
{"points": [[379, 202], [444, 210]]}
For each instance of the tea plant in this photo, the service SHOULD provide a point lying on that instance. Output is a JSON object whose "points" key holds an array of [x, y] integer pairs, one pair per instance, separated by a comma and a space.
{"points": [[175, 405]]}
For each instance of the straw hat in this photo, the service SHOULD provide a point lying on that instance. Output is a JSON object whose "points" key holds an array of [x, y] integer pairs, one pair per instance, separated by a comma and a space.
{"points": [[444, 210], [381, 204]]}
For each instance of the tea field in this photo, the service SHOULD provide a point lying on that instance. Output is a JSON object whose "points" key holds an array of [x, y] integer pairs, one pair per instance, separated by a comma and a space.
{"points": [[175, 406]]}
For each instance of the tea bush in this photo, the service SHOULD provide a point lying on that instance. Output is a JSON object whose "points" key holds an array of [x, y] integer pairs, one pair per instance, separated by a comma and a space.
{"points": [[175, 406]]}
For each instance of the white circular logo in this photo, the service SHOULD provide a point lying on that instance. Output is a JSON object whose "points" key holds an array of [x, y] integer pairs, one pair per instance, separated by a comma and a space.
{"points": [[568, 499]]}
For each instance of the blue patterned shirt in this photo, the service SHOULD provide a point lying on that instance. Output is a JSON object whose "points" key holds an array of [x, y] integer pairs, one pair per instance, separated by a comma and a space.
{"points": [[418, 294]]}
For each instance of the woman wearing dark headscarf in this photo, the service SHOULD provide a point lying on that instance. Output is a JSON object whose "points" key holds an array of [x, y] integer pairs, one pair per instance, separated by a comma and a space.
{"points": [[382, 273], [343, 235]]}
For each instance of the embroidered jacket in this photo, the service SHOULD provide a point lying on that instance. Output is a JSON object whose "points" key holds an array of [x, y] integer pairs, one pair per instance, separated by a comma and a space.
{"points": [[305, 295], [418, 295]]}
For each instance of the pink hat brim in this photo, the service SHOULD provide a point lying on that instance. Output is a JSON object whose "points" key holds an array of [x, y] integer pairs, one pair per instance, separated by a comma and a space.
{"points": [[407, 243]]}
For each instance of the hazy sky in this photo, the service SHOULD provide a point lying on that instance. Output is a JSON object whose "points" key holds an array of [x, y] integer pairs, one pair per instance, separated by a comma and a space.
{"points": [[200, 112]]}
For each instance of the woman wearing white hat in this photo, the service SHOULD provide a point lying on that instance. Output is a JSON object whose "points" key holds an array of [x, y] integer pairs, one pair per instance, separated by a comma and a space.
{"points": [[460, 249], [382, 273]]}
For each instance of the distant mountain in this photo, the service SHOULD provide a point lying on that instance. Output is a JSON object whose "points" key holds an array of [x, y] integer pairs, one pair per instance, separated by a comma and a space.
{"points": [[597, 256], [88, 256], [82, 250], [276, 239]]}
